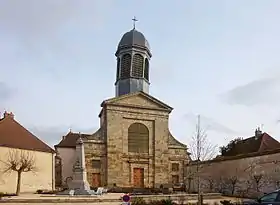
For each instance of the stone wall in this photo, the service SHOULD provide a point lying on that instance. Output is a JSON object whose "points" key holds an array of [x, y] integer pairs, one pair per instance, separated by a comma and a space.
{"points": [[248, 175], [95, 150], [177, 155]]}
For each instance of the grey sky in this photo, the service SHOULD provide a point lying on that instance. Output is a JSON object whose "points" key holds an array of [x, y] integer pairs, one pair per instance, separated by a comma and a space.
{"points": [[216, 58]]}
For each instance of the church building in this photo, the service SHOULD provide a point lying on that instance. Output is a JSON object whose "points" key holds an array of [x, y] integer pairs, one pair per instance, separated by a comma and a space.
{"points": [[133, 146]]}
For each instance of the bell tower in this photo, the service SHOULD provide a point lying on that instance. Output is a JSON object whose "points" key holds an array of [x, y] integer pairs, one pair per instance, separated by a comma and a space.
{"points": [[133, 60]]}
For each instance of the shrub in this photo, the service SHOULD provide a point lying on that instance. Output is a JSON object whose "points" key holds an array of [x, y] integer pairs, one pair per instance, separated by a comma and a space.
{"points": [[226, 202], [167, 202], [2, 194], [141, 201], [138, 201], [39, 191], [49, 192]]}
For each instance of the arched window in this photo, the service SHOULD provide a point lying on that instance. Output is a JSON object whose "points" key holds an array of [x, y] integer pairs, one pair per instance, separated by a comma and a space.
{"points": [[137, 66], [146, 70], [125, 66], [138, 138], [118, 68]]}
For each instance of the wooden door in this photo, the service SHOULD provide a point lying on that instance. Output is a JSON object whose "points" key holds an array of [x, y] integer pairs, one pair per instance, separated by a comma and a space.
{"points": [[138, 177], [96, 180], [175, 179]]}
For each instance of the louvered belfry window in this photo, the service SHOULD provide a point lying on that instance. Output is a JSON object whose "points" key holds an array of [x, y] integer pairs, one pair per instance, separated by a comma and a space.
{"points": [[118, 68], [138, 138], [125, 66], [137, 66], [146, 70]]}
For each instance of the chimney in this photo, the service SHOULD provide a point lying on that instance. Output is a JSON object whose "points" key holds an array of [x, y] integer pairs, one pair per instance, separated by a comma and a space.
{"points": [[9, 115], [258, 132]]}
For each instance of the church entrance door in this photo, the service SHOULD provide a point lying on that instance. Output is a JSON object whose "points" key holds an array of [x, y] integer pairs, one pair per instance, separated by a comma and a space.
{"points": [[138, 177], [96, 180]]}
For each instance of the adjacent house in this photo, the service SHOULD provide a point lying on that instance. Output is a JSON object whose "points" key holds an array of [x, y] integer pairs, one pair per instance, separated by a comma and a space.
{"points": [[19, 146], [248, 166]]}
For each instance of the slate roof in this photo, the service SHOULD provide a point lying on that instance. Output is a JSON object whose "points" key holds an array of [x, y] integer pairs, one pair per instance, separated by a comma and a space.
{"points": [[259, 143], [14, 135], [69, 140]]}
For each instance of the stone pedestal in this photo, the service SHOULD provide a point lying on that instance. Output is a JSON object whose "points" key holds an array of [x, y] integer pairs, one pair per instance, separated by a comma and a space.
{"points": [[79, 183]]}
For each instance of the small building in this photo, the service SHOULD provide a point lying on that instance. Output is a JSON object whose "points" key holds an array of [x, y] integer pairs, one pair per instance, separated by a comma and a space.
{"points": [[17, 143], [249, 166]]}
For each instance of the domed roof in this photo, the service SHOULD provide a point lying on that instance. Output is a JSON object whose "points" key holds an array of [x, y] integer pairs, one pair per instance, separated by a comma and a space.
{"points": [[134, 38]]}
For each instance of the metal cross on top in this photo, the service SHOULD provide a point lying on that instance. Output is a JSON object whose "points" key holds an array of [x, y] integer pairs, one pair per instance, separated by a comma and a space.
{"points": [[134, 21]]}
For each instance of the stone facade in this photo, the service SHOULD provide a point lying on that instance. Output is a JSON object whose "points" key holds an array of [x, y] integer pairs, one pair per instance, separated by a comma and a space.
{"points": [[111, 143], [108, 159], [253, 174]]}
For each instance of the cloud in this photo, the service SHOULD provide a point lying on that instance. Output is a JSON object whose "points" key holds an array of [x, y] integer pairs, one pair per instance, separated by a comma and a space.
{"points": [[209, 124], [5, 92], [33, 18], [53, 135], [48, 32], [43, 26], [265, 91]]}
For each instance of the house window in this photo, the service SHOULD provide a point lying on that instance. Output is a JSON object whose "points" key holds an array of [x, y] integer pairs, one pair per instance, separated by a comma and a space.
{"points": [[175, 179], [96, 164], [175, 167]]}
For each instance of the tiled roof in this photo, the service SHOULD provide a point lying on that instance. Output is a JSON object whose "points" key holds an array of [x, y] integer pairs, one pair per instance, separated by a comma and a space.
{"points": [[261, 143], [69, 140], [14, 135]]}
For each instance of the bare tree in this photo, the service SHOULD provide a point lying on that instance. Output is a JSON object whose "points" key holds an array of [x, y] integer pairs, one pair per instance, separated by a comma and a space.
{"points": [[201, 150], [255, 175], [19, 162], [258, 181], [200, 147], [233, 182], [211, 183], [221, 184], [275, 177]]}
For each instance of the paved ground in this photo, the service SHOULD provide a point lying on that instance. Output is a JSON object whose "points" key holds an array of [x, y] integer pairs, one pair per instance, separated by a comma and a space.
{"points": [[106, 196], [42, 196], [101, 203]]}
